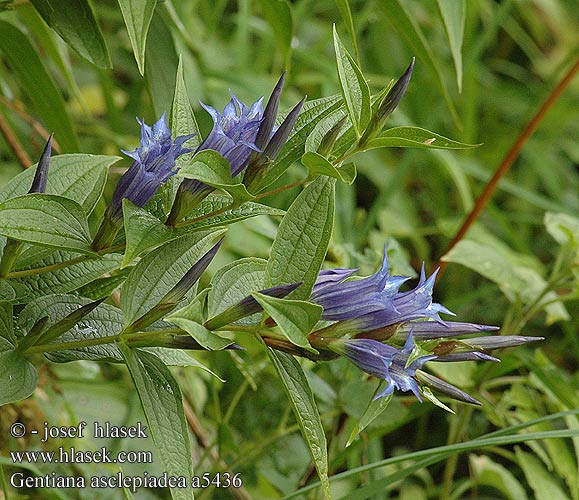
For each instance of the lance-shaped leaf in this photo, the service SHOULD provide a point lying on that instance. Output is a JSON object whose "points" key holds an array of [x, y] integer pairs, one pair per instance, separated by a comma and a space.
{"points": [[189, 318], [414, 137], [137, 16], [304, 406], [210, 168], [159, 271], [67, 323], [302, 238], [247, 306], [295, 318], [355, 90], [374, 409], [317, 165], [76, 24], [161, 401], [176, 294], [312, 112], [18, 377], [80, 177], [13, 248], [7, 337], [47, 220]]}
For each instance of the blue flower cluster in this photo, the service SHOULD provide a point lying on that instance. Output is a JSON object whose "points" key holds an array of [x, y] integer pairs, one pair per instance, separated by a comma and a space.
{"points": [[369, 310]]}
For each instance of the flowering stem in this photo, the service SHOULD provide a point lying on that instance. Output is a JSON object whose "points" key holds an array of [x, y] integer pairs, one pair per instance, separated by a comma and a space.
{"points": [[61, 265], [203, 217], [280, 189], [75, 344], [110, 339], [508, 160]]}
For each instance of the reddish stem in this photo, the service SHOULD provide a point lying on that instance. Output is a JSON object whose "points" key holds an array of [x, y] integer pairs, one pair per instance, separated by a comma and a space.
{"points": [[508, 160]]}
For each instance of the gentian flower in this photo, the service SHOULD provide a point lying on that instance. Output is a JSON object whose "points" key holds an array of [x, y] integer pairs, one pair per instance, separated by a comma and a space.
{"points": [[374, 302], [373, 310], [153, 165], [244, 136], [385, 362], [351, 299]]}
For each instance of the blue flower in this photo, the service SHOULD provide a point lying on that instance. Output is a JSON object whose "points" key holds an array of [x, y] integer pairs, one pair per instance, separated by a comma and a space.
{"points": [[385, 362], [374, 302], [244, 136], [153, 165], [344, 300]]}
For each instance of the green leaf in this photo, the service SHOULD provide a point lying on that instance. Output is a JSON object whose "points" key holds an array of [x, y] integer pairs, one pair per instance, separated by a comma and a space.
{"points": [[51, 47], [318, 165], [159, 271], [7, 337], [182, 118], [453, 14], [63, 280], [302, 400], [74, 21], [278, 14], [516, 279], [233, 283], [162, 63], [18, 377], [302, 238], [563, 228], [399, 14], [143, 231], [545, 486], [311, 113], [80, 177], [489, 473], [104, 321], [36, 81], [161, 401], [103, 287], [355, 90], [374, 409], [324, 126], [217, 203], [210, 167], [137, 15], [346, 13], [47, 220], [415, 137], [205, 337], [295, 318]]}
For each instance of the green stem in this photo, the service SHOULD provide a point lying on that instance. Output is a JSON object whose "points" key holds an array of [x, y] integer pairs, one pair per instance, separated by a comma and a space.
{"points": [[12, 250], [61, 265], [109, 339], [456, 431], [280, 189], [75, 344], [190, 222]]}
